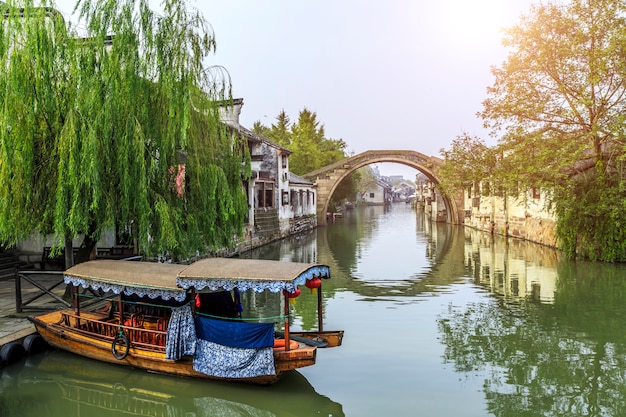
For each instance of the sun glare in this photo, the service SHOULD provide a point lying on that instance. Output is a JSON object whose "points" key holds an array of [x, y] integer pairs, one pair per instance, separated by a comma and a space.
{"points": [[466, 23]]}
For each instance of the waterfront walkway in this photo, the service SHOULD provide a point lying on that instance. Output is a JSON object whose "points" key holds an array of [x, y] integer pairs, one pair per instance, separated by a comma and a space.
{"points": [[15, 326]]}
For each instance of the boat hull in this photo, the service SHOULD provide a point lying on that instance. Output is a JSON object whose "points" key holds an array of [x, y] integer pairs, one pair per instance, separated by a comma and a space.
{"points": [[56, 330]]}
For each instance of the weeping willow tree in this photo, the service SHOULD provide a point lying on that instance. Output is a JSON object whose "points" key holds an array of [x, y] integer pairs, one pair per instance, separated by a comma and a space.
{"points": [[116, 127]]}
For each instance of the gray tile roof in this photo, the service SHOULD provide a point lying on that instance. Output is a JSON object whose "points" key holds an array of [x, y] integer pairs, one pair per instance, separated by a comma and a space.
{"points": [[295, 180]]}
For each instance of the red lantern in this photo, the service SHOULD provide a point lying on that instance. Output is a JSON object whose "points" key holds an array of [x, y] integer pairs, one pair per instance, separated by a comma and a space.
{"points": [[314, 282], [293, 294]]}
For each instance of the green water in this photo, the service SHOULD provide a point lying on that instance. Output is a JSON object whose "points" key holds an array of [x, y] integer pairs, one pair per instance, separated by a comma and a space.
{"points": [[439, 321]]}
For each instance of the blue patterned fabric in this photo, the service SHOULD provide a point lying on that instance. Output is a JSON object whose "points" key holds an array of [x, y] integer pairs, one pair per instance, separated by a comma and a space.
{"points": [[239, 334], [151, 293], [228, 362], [242, 285], [181, 333]]}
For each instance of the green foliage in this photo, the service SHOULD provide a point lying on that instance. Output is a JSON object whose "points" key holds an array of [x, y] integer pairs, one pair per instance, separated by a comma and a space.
{"points": [[311, 149], [306, 139], [468, 161], [591, 217], [307, 144], [259, 129], [366, 179], [120, 127], [557, 104], [558, 96], [281, 130]]}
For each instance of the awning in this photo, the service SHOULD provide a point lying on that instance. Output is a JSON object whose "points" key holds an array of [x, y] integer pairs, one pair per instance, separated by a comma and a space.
{"points": [[248, 274]]}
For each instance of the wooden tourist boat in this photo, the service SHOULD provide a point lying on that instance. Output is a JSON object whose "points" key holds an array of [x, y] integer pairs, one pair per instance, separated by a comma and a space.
{"points": [[186, 319]]}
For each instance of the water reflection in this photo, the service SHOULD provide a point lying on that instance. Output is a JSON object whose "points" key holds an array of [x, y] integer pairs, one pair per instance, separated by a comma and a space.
{"points": [[439, 320], [370, 253], [512, 268], [545, 337], [551, 343], [61, 384]]}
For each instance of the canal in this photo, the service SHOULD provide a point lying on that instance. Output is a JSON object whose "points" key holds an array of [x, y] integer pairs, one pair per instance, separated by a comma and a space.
{"points": [[439, 321]]}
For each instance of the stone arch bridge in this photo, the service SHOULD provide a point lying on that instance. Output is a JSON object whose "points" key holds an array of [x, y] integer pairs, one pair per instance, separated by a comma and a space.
{"points": [[328, 178]]}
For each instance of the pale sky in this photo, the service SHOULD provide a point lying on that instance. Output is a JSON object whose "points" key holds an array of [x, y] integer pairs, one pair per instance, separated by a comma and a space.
{"points": [[379, 74]]}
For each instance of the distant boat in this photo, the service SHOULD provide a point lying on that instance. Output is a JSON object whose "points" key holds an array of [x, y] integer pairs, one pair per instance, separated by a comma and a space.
{"points": [[184, 319]]}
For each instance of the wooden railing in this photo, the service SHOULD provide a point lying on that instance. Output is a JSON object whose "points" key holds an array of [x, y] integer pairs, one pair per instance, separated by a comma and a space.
{"points": [[109, 395], [148, 335], [46, 282]]}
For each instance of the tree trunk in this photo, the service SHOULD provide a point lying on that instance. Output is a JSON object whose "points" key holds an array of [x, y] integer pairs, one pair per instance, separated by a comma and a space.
{"points": [[85, 250], [69, 252]]}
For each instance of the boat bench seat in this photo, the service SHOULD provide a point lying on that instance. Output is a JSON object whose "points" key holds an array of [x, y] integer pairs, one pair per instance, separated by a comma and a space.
{"points": [[148, 330]]}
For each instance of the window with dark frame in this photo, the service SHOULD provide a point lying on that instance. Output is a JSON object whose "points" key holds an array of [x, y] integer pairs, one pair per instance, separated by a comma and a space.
{"points": [[536, 193]]}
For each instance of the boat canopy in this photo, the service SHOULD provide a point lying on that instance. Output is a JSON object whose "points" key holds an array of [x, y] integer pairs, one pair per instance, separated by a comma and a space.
{"points": [[171, 281], [248, 274], [145, 279]]}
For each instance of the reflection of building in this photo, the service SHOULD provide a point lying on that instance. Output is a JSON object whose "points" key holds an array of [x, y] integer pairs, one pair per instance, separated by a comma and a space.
{"points": [[429, 197], [516, 268]]}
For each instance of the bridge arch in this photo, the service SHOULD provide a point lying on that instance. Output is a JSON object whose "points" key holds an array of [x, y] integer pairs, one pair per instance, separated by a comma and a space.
{"points": [[328, 178]]}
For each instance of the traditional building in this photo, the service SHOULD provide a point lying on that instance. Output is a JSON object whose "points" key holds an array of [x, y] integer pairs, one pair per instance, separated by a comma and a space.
{"points": [[377, 194], [523, 216], [280, 202]]}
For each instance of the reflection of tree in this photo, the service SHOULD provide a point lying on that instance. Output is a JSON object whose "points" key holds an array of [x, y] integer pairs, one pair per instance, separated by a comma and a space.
{"points": [[593, 292], [344, 238], [562, 359]]}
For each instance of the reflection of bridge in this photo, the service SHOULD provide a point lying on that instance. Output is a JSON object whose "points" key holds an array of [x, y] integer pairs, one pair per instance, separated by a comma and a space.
{"points": [[328, 178], [447, 267]]}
